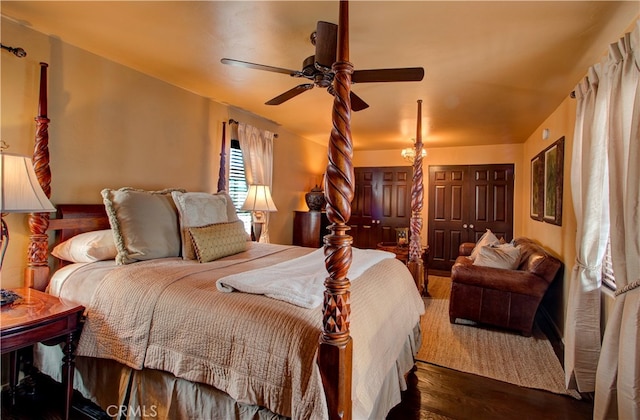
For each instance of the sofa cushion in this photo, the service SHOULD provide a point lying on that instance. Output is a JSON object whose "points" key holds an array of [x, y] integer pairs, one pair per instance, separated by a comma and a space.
{"points": [[488, 238], [504, 256]]}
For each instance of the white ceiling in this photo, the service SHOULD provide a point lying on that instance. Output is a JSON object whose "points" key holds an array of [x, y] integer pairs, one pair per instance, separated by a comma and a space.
{"points": [[494, 70]]}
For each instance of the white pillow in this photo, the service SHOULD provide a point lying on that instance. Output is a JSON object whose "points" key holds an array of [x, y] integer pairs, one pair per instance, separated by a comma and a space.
{"points": [[488, 238], [197, 209], [92, 246], [504, 256]]}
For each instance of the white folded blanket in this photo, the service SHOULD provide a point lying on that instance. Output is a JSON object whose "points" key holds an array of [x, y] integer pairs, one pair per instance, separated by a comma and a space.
{"points": [[299, 281]]}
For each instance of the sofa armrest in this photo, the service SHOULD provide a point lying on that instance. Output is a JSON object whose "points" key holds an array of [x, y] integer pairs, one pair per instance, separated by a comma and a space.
{"points": [[514, 281], [466, 248]]}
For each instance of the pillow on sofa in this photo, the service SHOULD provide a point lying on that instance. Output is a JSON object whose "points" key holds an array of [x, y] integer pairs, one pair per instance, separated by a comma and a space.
{"points": [[198, 209], [218, 240], [97, 245], [488, 238], [504, 256], [144, 223]]}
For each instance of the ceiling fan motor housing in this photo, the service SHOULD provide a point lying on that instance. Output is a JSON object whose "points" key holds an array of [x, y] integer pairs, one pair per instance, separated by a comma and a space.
{"points": [[309, 67], [326, 43]]}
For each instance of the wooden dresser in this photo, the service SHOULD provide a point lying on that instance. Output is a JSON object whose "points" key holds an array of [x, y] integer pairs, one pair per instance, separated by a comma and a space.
{"points": [[309, 227]]}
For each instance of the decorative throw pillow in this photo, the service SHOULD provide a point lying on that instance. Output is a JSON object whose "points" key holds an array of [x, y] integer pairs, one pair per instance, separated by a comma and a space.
{"points": [[504, 256], [97, 245], [144, 224], [232, 214], [198, 209], [488, 238], [218, 240]]}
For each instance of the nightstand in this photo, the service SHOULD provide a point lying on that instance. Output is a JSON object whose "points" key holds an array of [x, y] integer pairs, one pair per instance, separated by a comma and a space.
{"points": [[309, 228], [40, 317], [402, 254]]}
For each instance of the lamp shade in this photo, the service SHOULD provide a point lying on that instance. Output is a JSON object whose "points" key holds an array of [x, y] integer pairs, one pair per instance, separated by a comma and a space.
{"points": [[259, 199], [20, 191]]}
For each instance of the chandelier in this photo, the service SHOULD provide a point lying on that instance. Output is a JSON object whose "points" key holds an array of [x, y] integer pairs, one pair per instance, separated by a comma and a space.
{"points": [[409, 153]]}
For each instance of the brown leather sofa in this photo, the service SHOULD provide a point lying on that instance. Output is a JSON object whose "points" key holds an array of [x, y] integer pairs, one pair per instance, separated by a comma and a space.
{"points": [[501, 297]]}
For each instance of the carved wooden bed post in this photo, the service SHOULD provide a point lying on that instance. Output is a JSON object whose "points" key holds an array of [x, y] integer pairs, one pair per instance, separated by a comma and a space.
{"points": [[37, 272], [416, 264], [335, 350]]}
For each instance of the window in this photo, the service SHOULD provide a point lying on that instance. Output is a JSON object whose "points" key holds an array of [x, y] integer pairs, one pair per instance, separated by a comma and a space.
{"points": [[238, 183], [608, 277]]}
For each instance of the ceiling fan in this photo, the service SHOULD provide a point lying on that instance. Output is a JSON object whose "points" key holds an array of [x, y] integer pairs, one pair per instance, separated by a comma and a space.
{"points": [[317, 68]]}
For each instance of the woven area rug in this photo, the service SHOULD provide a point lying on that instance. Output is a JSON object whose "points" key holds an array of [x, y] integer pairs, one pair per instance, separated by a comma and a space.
{"points": [[509, 357]]}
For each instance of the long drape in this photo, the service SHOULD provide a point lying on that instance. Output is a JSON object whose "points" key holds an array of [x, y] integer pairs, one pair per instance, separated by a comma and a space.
{"points": [[618, 374], [589, 184], [257, 151]]}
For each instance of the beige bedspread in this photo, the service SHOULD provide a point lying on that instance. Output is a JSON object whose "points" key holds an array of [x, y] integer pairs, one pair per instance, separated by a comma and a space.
{"points": [[168, 315]]}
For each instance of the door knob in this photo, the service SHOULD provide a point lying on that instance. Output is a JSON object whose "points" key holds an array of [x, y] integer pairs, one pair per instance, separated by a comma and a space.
{"points": [[471, 226], [465, 226]]}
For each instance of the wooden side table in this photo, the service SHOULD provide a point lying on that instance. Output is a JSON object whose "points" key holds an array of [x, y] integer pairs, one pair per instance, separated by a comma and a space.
{"points": [[309, 228], [40, 317], [402, 254]]}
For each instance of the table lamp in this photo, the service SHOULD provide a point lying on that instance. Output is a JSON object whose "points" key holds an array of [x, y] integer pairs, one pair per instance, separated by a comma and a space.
{"points": [[20, 192], [258, 202]]}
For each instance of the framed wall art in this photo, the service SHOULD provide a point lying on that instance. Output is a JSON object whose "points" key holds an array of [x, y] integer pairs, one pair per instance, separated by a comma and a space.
{"points": [[537, 192], [553, 182], [547, 169]]}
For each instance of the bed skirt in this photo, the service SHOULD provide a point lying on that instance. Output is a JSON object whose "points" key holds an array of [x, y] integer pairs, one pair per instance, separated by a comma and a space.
{"points": [[123, 392]]}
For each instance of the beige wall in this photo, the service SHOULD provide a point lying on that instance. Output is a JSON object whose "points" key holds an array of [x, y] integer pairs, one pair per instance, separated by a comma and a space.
{"points": [[559, 240], [112, 126]]}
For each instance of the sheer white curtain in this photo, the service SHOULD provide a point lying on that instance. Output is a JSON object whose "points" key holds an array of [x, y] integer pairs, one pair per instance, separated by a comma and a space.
{"points": [[618, 374], [257, 151]]}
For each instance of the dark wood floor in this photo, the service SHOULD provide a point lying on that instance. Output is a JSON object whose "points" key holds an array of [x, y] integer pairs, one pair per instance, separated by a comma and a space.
{"points": [[441, 393], [434, 393]]}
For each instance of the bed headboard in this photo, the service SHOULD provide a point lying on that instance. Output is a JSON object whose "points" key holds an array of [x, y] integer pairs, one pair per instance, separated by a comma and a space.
{"points": [[73, 219]]}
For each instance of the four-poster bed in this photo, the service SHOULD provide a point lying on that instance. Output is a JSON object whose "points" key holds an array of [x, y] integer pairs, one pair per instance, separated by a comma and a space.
{"points": [[344, 381]]}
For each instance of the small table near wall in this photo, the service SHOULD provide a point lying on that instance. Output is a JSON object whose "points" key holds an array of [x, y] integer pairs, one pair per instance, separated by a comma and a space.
{"points": [[40, 317], [402, 254]]}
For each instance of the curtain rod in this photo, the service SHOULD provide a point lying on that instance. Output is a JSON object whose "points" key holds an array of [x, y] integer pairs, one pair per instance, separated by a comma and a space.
{"points": [[232, 121], [17, 51]]}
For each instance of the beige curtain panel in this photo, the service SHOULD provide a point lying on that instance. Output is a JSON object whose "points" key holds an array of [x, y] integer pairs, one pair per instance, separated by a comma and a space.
{"points": [[606, 162], [618, 374]]}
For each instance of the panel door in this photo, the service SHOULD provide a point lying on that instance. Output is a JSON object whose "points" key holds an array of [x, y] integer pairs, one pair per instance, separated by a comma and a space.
{"points": [[464, 201], [382, 202]]}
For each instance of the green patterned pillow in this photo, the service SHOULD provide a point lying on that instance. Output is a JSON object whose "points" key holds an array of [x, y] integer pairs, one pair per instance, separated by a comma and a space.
{"points": [[218, 240]]}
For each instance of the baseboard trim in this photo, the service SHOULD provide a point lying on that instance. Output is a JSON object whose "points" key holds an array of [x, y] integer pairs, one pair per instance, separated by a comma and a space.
{"points": [[552, 331]]}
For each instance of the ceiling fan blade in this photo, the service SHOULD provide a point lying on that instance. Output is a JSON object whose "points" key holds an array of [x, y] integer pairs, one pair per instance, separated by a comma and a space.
{"points": [[291, 93], [326, 42], [408, 74], [248, 65], [357, 104]]}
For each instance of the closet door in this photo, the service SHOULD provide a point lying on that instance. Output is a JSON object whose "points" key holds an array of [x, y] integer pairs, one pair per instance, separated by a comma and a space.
{"points": [[464, 201], [382, 202]]}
